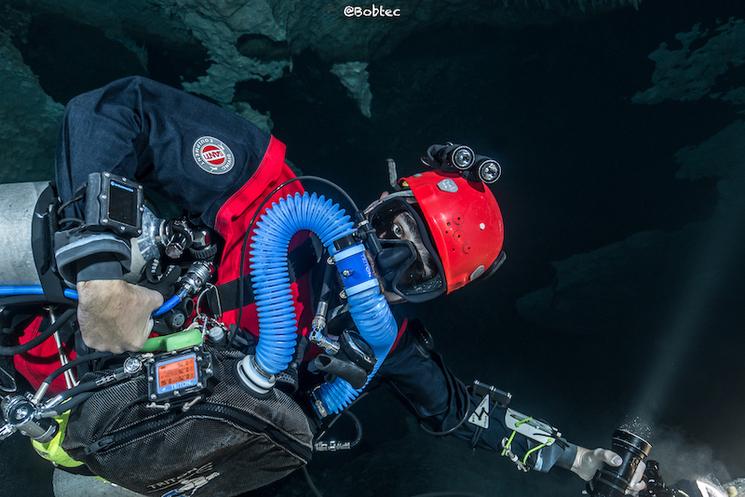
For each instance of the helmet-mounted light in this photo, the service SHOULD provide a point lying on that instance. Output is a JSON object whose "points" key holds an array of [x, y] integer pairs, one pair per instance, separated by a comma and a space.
{"points": [[489, 170], [462, 159]]}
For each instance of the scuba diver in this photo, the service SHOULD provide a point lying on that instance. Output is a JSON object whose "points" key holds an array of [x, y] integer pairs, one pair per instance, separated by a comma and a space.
{"points": [[222, 386]]}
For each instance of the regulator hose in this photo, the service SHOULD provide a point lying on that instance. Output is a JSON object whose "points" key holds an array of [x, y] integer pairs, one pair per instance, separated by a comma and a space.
{"points": [[20, 349], [275, 303], [167, 305], [75, 362], [14, 291], [357, 215]]}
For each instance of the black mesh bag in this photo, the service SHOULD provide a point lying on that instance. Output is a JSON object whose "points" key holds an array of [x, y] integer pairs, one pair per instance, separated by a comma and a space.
{"points": [[227, 443]]}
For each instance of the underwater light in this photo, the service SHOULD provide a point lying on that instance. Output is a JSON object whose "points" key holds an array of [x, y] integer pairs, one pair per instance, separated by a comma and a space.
{"points": [[709, 490], [461, 157], [489, 171]]}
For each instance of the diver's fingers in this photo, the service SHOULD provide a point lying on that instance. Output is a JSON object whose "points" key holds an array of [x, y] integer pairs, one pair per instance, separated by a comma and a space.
{"points": [[608, 457], [639, 473], [635, 489], [637, 485]]}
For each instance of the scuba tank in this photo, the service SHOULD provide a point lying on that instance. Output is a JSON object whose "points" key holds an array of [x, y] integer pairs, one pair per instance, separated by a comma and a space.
{"points": [[19, 231], [27, 219]]}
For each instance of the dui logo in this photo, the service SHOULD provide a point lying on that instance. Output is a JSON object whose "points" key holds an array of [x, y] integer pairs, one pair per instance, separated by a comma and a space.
{"points": [[212, 155]]}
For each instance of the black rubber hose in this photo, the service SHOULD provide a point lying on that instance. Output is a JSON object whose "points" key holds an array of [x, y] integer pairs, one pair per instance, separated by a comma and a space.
{"points": [[75, 362], [20, 349], [355, 375], [457, 425], [311, 484], [70, 404], [79, 389], [326, 429], [357, 428]]}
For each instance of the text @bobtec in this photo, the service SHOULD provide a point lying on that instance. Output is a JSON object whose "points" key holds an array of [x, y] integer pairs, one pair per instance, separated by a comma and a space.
{"points": [[370, 11]]}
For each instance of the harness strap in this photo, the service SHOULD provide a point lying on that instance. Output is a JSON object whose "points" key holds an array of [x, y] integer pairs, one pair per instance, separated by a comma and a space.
{"points": [[43, 227]]}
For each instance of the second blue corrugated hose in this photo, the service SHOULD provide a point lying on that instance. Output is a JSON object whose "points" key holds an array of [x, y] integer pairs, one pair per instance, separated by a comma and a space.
{"points": [[275, 302]]}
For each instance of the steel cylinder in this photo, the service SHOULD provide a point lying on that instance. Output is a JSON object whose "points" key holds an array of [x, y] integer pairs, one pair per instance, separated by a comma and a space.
{"points": [[17, 204]]}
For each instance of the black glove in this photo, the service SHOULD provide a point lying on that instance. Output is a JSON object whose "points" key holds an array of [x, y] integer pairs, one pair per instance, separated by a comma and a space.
{"points": [[86, 256]]}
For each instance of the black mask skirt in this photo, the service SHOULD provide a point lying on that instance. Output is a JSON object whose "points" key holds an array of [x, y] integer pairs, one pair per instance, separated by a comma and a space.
{"points": [[399, 263]]}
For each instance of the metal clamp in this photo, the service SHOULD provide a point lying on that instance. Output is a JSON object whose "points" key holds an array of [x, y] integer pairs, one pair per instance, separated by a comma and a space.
{"points": [[6, 431]]}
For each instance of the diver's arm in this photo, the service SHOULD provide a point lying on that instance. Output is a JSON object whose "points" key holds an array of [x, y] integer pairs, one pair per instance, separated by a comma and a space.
{"points": [[154, 134], [444, 404], [150, 133], [194, 153]]}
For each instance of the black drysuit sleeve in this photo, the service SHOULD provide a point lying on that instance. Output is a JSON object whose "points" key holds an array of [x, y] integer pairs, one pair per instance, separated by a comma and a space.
{"points": [[441, 402], [149, 132]]}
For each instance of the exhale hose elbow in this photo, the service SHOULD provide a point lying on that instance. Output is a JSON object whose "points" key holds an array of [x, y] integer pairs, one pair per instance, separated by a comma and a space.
{"points": [[348, 371]]}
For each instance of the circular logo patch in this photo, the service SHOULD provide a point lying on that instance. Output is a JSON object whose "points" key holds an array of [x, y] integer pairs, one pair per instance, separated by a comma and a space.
{"points": [[212, 155]]}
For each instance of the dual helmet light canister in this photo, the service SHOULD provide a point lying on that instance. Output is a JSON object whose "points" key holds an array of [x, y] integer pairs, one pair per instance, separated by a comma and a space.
{"points": [[463, 159]]}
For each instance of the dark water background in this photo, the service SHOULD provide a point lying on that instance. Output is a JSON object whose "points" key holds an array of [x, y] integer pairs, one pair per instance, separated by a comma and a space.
{"points": [[584, 168]]}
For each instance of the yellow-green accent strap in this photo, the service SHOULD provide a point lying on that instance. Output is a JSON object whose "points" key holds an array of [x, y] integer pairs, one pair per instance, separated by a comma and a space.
{"points": [[52, 450], [536, 449], [512, 435]]}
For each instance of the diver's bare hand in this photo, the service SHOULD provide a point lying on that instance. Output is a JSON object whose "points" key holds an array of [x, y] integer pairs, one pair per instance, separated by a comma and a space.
{"points": [[588, 462], [114, 315]]}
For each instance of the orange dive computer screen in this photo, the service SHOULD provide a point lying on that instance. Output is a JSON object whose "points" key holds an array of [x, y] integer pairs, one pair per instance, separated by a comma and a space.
{"points": [[176, 373]]}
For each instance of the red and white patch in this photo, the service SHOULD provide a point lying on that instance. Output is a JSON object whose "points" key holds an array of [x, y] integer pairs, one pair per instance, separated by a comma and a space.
{"points": [[213, 155]]}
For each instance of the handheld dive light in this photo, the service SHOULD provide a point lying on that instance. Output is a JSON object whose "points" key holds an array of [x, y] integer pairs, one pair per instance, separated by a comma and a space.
{"points": [[615, 482]]}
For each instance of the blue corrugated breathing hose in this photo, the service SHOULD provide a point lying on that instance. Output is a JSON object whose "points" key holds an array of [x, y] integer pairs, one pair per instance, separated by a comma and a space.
{"points": [[275, 304]]}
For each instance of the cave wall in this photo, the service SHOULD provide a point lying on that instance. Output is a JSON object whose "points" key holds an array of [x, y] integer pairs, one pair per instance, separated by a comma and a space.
{"points": [[255, 40]]}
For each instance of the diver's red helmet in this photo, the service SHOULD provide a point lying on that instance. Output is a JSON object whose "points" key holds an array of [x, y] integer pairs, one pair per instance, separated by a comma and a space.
{"points": [[460, 234], [464, 221]]}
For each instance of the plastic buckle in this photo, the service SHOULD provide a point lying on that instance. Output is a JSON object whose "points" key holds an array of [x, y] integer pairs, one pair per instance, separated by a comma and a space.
{"points": [[212, 295]]}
